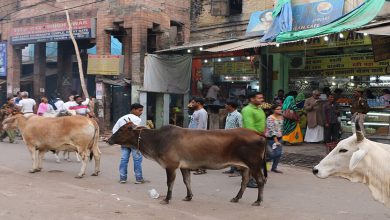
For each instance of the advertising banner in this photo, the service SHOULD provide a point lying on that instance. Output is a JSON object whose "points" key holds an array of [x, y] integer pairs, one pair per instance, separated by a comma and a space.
{"points": [[82, 29], [3, 58], [314, 14], [306, 14], [105, 65]]}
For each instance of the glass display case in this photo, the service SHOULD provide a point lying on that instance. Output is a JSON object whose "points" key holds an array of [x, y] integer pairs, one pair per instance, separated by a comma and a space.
{"points": [[377, 122]]}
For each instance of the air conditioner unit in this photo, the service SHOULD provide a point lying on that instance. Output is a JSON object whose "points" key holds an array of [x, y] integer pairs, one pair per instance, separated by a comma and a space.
{"points": [[297, 61]]}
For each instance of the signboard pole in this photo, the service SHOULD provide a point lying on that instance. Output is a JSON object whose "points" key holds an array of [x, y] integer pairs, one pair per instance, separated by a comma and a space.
{"points": [[83, 85]]}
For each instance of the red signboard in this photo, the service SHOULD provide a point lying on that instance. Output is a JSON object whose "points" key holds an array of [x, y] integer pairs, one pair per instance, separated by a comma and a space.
{"points": [[82, 29]]}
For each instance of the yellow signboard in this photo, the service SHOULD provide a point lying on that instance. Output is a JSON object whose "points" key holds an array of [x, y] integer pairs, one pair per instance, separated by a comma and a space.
{"points": [[340, 72], [346, 61], [105, 65], [233, 68], [348, 39]]}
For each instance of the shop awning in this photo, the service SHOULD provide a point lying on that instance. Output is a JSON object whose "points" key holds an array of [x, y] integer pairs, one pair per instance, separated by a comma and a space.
{"points": [[358, 17], [196, 45], [239, 45], [383, 29]]}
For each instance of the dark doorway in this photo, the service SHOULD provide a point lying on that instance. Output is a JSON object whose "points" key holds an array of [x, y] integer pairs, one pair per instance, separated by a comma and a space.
{"points": [[121, 101]]}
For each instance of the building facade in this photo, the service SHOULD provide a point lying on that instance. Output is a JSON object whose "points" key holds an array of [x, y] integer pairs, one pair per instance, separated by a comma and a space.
{"points": [[140, 27]]}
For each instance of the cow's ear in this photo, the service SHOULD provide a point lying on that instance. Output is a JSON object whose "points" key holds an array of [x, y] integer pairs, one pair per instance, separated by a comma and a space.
{"points": [[357, 156]]}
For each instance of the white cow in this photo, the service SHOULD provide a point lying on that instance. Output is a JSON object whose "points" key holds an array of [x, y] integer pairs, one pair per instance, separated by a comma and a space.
{"points": [[360, 160]]}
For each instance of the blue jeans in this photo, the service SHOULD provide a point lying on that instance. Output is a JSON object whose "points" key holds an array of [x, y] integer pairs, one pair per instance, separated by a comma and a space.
{"points": [[137, 159], [275, 154]]}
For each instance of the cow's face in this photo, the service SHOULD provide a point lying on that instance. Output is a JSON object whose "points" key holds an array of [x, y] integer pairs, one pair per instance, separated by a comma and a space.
{"points": [[343, 159], [124, 136], [10, 123]]}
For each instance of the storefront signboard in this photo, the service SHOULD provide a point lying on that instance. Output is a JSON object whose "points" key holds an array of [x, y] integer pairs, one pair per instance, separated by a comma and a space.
{"points": [[3, 58], [339, 72], [57, 31], [381, 47], [233, 68], [105, 65], [346, 61], [306, 14], [349, 39], [342, 65]]}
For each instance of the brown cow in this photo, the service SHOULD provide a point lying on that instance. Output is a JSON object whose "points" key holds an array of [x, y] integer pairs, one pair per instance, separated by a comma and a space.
{"points": [[174, 147], [73, 133]]}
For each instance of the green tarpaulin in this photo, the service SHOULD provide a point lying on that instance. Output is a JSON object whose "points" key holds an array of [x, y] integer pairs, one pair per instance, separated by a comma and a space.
{"points": [[279, 7], [360, 16]]}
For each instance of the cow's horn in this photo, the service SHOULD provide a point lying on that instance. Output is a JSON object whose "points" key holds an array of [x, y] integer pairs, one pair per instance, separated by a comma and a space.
{"points": [[129, 119], [125, 120], [359, 136]]}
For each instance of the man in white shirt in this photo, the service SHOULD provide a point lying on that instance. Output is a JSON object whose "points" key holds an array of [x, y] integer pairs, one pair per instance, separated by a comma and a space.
{"points": [[212, 94], [199, 117], [136, 110], [27, 105], [59, 104]]}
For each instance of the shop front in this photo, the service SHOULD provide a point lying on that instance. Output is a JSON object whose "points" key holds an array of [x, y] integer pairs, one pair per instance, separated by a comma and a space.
{"points": [[341, 62]]}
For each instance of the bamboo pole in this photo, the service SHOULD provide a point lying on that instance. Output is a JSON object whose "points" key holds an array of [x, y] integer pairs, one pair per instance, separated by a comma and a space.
{"points": [[76, 48]]}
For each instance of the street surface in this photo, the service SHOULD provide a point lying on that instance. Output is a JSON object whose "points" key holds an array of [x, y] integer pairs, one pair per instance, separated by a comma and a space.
{"points": [[54, 193]]}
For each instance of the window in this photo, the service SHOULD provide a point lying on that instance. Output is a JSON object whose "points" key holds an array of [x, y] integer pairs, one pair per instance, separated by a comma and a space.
{"points": [[226, 7], [235, 7]]}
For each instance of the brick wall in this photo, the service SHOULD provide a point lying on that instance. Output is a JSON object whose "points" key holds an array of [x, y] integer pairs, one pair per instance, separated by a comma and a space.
{"points": [[205, 24]]}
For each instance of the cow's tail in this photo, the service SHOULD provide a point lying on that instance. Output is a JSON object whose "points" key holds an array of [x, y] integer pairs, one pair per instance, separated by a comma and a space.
{"points": [[265, 171], [94, 142]]}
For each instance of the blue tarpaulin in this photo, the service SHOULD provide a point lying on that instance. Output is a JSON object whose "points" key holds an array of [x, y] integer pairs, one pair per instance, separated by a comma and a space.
{"points": [[282, 20]]}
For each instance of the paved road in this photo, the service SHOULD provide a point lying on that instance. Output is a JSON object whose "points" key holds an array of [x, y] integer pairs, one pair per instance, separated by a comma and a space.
{"points": [[55, 194]]}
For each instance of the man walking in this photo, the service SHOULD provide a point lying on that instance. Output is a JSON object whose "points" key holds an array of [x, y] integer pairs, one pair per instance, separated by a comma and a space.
{"points": [[136, 110], [198, 121], [359, 108], [233, 120], [254, 118], [80, 107], [6, 110], [315, 129]]}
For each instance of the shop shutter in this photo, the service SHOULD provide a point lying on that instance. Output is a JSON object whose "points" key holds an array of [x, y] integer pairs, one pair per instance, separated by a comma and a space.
{"points": [[220, 7]]}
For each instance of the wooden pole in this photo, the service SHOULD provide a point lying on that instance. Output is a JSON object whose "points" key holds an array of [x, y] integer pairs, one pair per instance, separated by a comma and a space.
{"points": [[76, 48]]}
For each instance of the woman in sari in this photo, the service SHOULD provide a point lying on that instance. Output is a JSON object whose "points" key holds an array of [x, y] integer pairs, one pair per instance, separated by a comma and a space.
{"points": [[300, 100], [291, 130]]}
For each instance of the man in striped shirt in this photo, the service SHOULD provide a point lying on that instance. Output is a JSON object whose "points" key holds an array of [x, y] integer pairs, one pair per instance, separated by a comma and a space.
{"points": [[79, 106]]}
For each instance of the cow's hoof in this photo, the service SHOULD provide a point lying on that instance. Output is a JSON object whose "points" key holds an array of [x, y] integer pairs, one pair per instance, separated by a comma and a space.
{"points": [[95, 174], [235, 200], [79, 177], [257, 203], [38, 170], [34, 170], [164, 202], [187, 199], [58, 161], [31, 171]]}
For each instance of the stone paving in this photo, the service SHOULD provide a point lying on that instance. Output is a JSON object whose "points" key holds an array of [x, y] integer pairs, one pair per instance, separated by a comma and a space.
{"points": [[304, 155]]}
